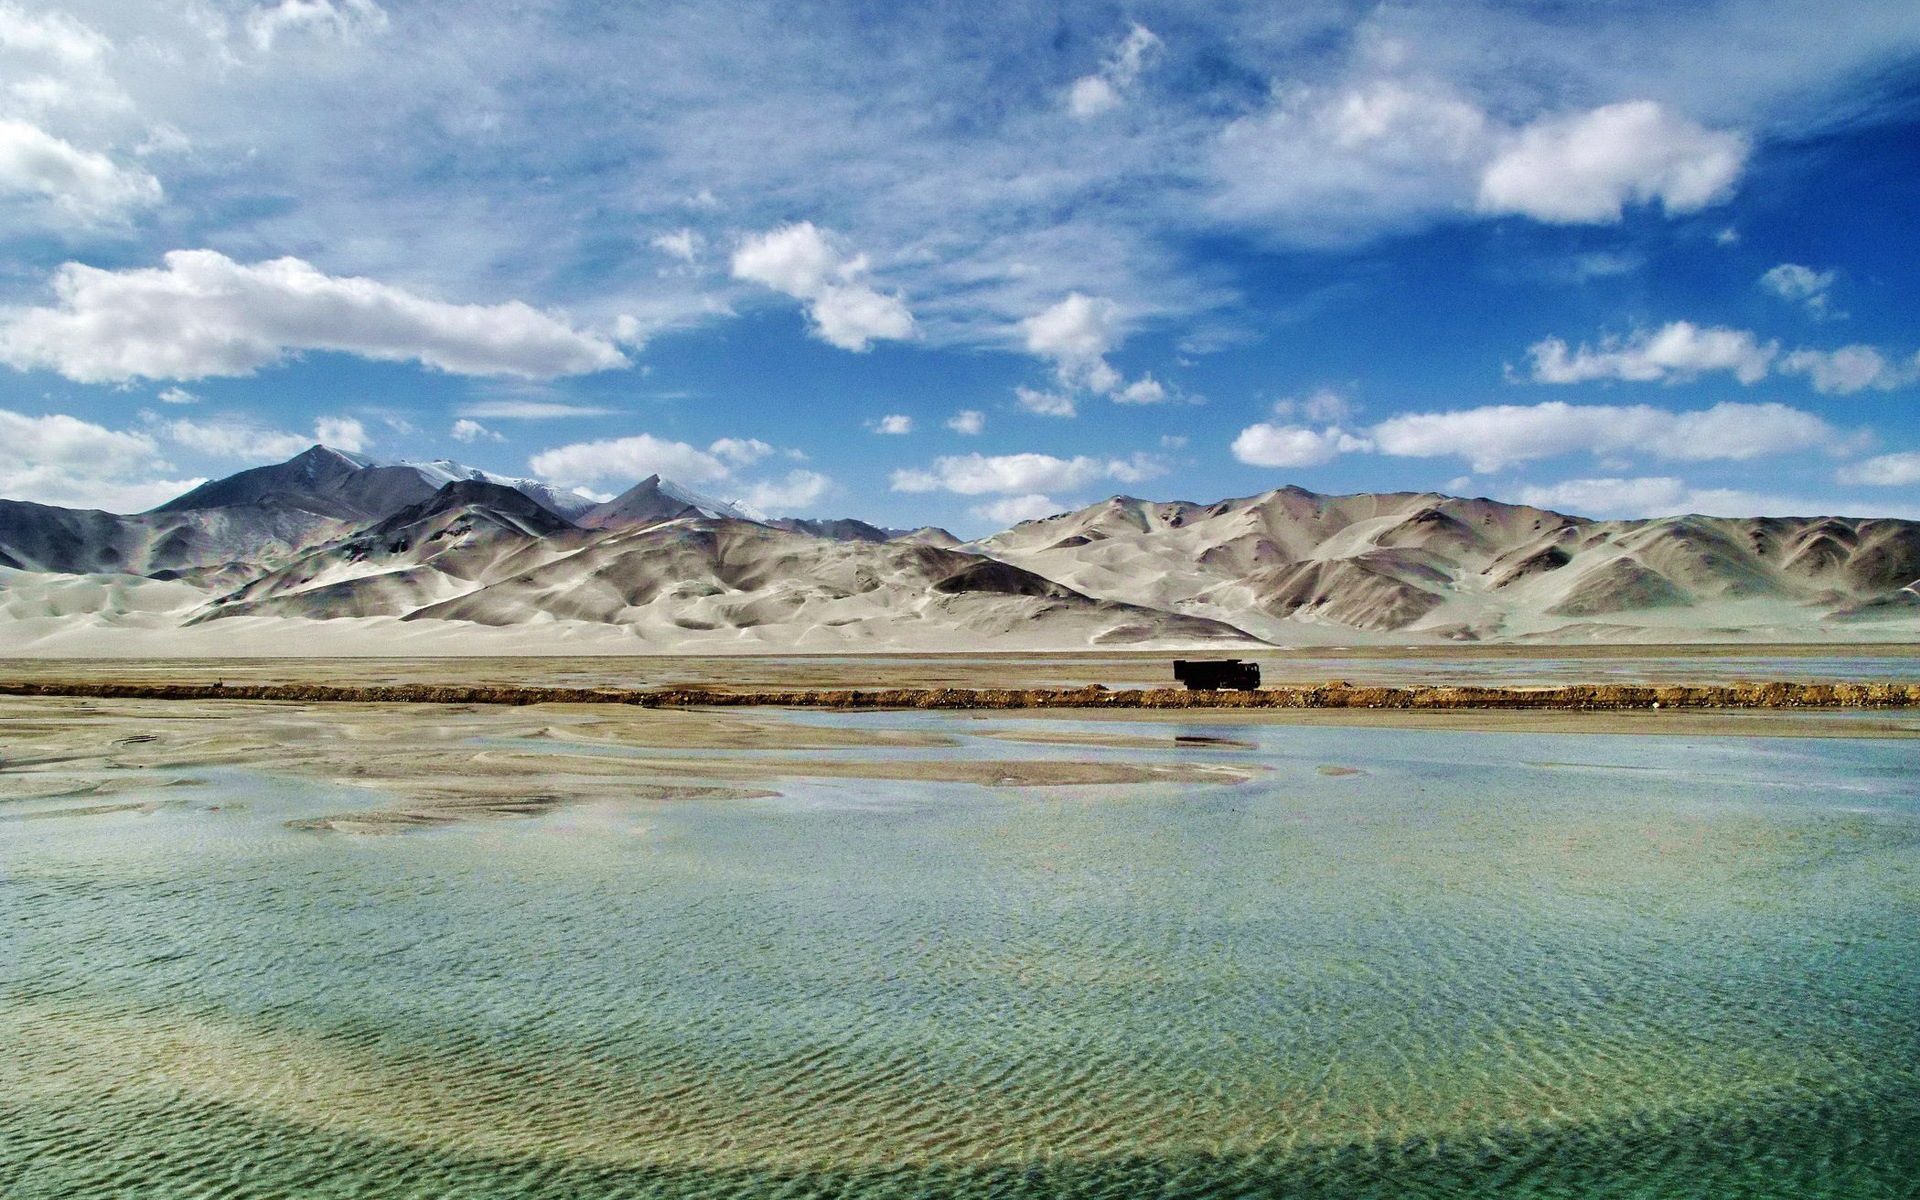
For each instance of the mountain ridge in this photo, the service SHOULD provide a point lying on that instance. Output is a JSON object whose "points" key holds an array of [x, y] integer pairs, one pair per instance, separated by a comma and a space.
{"points": [[330, 536]]}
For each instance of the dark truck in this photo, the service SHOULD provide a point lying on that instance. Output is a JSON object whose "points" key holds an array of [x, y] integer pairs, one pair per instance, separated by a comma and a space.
{"points": [[1209, 675]]}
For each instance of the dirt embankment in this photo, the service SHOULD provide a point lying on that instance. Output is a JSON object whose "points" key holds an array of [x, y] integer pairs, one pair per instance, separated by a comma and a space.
{"points": [[1598, 697]]}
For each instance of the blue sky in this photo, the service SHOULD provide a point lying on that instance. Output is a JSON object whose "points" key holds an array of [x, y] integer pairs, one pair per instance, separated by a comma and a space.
{"points": [[970, 265]]}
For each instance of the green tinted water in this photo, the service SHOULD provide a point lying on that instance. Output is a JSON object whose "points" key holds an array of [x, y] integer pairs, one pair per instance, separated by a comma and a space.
{"points": [[1486, 965]]}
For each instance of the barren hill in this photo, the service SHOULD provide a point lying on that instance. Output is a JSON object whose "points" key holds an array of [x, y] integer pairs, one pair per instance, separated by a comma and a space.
{"points": [[1292, 565], [330, 549]]}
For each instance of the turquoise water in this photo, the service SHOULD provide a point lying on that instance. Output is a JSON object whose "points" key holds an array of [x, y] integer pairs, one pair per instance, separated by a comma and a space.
{"points": [[1480, 965]]}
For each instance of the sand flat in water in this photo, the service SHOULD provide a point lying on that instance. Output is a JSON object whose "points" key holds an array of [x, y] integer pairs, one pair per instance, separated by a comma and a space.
{"points": [[415, 950]]}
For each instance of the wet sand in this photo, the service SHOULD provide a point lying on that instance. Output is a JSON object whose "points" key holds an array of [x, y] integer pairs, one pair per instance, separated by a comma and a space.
{"points": [[422, 765]]}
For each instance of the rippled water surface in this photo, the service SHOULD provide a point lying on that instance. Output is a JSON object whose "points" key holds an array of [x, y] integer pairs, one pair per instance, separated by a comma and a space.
{"points": [[1399, 964]]}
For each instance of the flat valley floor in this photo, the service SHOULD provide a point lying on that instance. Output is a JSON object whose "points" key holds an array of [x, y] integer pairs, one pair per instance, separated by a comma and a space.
{"points": [[415, 950]]}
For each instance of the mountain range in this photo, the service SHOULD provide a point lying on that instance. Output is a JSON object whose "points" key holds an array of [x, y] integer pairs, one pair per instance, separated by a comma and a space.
{"points": [[335, 552]]}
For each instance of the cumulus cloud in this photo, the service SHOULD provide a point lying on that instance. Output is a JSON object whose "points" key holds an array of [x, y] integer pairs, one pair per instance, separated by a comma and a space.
{"points": [[75, 186], [805, 262], [1144, 390], [1265, 445], [626, 460], [1104, 90], [629, 458], [1887, 470], [203, 314], [319, 18], [1675, 353], [797, 490], [967, 421], [1804, 286], [58, 459], [342, 433], [1078, 330], [740, 452], [979, 474], [1585, 168], [1076, 335], [892, 423], [1335, 164], [1014, 509], [1502, 435], [1045, 404], [1850, 369], [174, 395], [467, 432]]}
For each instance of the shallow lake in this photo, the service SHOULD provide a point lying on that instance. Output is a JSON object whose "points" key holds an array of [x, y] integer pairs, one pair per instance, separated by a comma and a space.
{"points": [[1398, 963]]}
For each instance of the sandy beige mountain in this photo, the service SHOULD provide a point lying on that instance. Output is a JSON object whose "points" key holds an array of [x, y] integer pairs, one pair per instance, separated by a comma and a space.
{"points": [[1297, 567]]}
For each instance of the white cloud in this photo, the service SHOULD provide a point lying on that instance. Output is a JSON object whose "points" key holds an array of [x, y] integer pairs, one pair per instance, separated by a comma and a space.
{"points": [[240, 438], [855, 316], [629, 458], [467, 432], [1078, 330], [342, 433], [683, 244], [174, 395], [323, 18], [1102, 91], [531, 410], [1656, 496], [1322, 407], [1501, 435], [1803, 285], [804, 262], [1585, 168], [62, 460], [797, 491], [1266, 445], [978, 474], [234, 439], [740, 452], [1015, 509], [795, 259], [1330, 165], [1888, 470], [53, 35], [1677, 352], [1144, 390], [1092, 95], [203, 314], [1173, 441], [1076, 334], [967, 421], [1337, 164], [1850, 369], [892, 423], [1045, 404], [77, 186]]}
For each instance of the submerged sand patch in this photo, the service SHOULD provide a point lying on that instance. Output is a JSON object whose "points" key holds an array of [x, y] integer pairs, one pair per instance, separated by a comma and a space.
{"points": [[423, 766]]}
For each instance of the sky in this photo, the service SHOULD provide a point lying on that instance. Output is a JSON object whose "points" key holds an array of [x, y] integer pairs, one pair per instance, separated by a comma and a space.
{"points": [[967, 265]]}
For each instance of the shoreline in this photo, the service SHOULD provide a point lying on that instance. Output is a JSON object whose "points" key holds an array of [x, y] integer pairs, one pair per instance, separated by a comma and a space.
{"points": [[1774, 695]]}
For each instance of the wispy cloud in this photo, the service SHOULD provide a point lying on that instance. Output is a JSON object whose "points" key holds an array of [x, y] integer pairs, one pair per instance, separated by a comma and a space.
{"points": [[203, 314]]}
